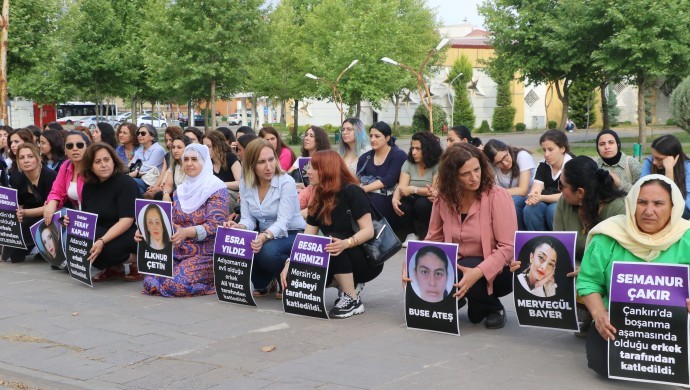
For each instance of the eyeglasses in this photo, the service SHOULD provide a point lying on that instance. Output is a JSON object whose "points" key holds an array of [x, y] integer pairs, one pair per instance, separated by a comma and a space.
{"points": [[504, 160], [347, 130], [79, 145], [142, 133]]}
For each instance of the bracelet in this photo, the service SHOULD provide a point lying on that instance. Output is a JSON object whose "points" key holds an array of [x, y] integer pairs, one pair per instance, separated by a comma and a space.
{"points": [[100, 239], [354, 238], [415, 190], [349, 242]]}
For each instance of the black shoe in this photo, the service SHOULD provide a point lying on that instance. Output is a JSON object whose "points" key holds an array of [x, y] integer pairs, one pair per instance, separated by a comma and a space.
{"points": [[586, 321], [358, 289], [347, 307], [17, 259], [39, 257], [495, 320], [462, 302], [475, 315]]}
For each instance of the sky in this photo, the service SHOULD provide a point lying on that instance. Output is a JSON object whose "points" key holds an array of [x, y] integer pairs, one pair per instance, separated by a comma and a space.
{"points": [[455, 11]]}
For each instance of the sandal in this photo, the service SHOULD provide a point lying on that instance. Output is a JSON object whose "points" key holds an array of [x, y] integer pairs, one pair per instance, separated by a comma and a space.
{"points": [[265, 291], [108, 274]]}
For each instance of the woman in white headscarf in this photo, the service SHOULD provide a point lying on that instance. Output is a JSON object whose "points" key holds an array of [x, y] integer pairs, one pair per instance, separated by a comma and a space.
{"points": [[200, 205], [651, 230]]}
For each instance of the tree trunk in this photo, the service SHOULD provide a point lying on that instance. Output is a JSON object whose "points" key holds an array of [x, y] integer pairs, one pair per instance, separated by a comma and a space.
{"points": [[40, 116], [283, 113], [5, 24], [359, 110], [295, 117], [642, 135], [564, 97], [190, 112], [396, 102], [213, 104], [255, 115], [133, 117], [604, 106]]}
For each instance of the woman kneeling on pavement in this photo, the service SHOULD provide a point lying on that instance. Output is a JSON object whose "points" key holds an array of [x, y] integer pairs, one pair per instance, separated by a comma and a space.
{"points": [[268, 204], [651, 230], [110, 193], [200, 205], [338, 200], [471, 210]]}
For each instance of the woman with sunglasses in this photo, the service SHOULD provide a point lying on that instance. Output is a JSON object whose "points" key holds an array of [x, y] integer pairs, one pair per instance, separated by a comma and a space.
{"points": [[150, 158], [69, 182], [514, 169]]}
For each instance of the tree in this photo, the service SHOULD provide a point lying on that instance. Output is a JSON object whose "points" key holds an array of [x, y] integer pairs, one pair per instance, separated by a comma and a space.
{"points": [[460, 74], [210, 40], [680, 104], [612, 109], [649, 40], [582, 100], [504, 113], [420, 119]]}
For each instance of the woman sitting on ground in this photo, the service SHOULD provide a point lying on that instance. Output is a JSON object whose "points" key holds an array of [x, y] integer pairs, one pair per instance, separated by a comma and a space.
{"points": [[104, 132], [226, 166], [150, 158], [668, 159], [651, 230], [17, 138], [460, 134], [353, 142], [175, 175], [110, 193], [624, 170], [268, 203], [33, 185], [200, 205], [514, 168], [194, 134], [52, 147], [472, 210], [418, 175], [129, 142], [286, 155], [338, 201]]}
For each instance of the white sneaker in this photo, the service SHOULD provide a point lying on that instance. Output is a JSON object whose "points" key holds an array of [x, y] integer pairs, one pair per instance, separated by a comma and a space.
{"points": [[409, 237], [347, 307]]}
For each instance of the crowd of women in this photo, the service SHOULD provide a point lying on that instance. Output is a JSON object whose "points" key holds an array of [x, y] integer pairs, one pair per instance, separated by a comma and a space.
{"points": [[473, 194]]}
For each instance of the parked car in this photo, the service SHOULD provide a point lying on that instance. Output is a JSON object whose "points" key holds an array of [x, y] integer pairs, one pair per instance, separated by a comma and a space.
{"points": [[199, 121], [124, 117], [236, 119], [152, 120], [90, 121]]}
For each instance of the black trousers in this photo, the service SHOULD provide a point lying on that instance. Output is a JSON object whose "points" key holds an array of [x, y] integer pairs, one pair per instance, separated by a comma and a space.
{"points": [[352, 261], [597, 354], [417, 211], [479, 302]]}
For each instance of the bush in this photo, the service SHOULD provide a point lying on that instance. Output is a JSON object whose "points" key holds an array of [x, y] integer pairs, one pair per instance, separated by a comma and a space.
{"points": [[296, 138], [484, 127], [614, 111], [520, 126], [552, 125], [583, 98], [503, 118], [420, 119], [403, 130], [671, 122], [680, 104]]}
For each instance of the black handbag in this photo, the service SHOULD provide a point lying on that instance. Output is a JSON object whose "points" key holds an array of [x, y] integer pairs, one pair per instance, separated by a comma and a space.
{"points": [[383, 245]]}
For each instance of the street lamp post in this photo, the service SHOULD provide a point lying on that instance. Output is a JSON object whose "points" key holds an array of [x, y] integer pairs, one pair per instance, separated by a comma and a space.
{"points": [[452, 99], [337, 97], [422, 87]]}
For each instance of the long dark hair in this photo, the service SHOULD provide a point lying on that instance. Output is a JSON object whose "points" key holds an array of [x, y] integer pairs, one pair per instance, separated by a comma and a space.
{"points": [[669, 145], [321, 138], [583, 172], [431, 148], [57, 145], [279, 141], [557, 137], [493, 146]]}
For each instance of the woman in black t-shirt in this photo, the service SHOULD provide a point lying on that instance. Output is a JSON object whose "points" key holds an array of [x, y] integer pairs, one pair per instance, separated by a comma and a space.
{"points": [[336, 192], [226, 166]]}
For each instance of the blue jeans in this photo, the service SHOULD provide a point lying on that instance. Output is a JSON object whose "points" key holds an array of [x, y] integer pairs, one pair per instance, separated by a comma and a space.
{"points": [[141, 185], [270, 260], [540, 216], [519, 210]]}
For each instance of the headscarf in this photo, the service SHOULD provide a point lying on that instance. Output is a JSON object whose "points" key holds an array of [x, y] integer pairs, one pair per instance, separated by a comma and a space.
{"points": [[194, 192], [624, 229], [615, 159]]}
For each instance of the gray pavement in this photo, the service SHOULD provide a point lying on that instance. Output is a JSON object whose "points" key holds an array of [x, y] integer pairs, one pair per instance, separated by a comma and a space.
{"points": [[56, 333]]}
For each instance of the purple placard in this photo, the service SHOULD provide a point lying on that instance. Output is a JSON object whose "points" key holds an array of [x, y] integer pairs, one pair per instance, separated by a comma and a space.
{"points": [[10, 228], [81, 224], [81, 231], [303, 164], [309, 250], [53, 250], [567, 238], [155, 250], [232, 265], [649, 283]]}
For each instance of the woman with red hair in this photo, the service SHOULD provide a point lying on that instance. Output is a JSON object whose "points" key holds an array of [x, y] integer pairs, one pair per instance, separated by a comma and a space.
{"points": [[337, 201]]}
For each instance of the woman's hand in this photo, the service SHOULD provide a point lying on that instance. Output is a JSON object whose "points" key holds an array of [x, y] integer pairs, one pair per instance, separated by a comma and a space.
{"points": [[181, 234], [20, 214], [48, 212], [337, 246], [406, 190], [533, 199], [134, 173], [232, 224], [137, 236], [96, 250], [669, 162], [470, 276], [603, 325], [396, 207], [65, 221], [300, 187], [515, 265], [433, 193], [405, 278], [258, 243], [283, 275], [574, 273]]}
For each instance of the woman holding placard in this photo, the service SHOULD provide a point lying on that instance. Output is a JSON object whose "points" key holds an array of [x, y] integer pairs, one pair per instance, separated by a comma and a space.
{"points": [[200, 205], [337, 202], [472, 210], [109, 192], [268, 202], [652, 230], [33, 184]]}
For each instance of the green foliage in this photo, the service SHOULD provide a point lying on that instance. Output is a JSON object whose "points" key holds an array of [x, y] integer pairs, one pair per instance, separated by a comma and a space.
{"points": [[552, 125], [504, 114], [671, 122], [648, 106], [520, 127], [583, 98], [483, 128], [614, 111], [680, 105], [420, 119], [462, 106]]}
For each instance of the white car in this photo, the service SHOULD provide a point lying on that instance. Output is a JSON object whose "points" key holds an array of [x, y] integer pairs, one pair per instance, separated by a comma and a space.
{"points": [[152, 120], [90, 122], [125, 117]]}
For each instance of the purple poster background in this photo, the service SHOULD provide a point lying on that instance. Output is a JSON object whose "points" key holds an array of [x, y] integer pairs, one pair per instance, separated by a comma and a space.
{"points": [[82, 224], [10, 228], [567, 238], [302, 164], [306, 278], [629, 277], [81, 231], [232, 265]]}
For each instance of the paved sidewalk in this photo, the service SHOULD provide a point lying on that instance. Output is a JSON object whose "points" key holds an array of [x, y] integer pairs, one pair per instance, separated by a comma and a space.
{"points": [[58, 334]]}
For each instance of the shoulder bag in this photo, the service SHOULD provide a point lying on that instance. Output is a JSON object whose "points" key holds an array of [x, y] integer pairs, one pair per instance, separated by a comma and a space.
{"points": [[383, 245]]}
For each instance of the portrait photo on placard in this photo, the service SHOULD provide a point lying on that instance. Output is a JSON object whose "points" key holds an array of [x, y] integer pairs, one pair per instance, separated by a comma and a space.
{"points": [[154, 225], [432, 274], [545, 261], [49, 240]]}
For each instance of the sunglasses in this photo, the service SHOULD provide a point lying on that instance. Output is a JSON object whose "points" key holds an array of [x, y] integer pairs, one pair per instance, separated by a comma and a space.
{"points": [[79, 145], [142, 133]]}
